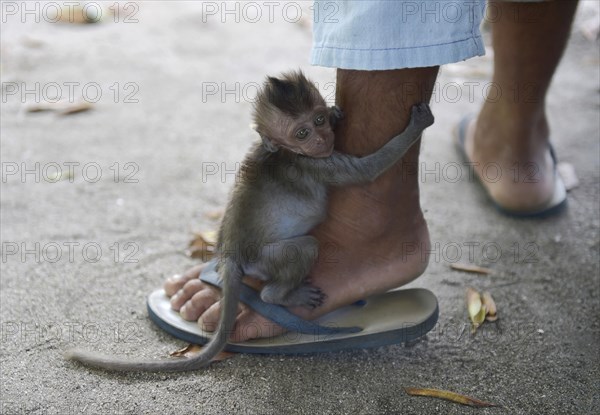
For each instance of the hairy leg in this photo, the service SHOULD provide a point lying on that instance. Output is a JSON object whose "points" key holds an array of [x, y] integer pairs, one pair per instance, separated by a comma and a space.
{"points": [[512, 129], [375, 237]]}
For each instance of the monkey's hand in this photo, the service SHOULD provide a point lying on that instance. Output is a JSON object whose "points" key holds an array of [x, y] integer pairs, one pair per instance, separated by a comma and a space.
{"points": [[421, 116], [335, 115]]}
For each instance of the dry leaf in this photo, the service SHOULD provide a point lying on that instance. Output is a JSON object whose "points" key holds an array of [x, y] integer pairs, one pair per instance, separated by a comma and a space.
{"points": [[490, 306], [76, 107], [81, 15], [480, 307], [191, 350], [476, 309], [209, 236], [202, 246], [449, 396], [471, 268], [44, 106], [61, 107], [58, 175]]}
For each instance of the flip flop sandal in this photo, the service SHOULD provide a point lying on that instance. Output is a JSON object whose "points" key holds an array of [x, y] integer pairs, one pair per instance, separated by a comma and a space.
{"points": [[390, 318], [556, 204]]}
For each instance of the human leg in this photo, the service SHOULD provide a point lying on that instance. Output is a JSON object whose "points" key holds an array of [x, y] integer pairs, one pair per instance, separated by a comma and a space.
{"points": [[511, 131], [375, 237]]}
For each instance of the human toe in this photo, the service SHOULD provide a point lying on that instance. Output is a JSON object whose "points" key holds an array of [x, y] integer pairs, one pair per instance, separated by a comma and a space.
{"points": [[182, 296], [176, 282], [197, 305]]}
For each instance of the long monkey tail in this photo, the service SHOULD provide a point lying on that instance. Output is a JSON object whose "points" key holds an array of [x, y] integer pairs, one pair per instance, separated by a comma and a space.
{"points": [[231, 274]]}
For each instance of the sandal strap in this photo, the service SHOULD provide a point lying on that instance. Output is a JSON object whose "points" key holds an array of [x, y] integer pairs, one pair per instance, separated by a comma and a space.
{"points": [[278, 314]]}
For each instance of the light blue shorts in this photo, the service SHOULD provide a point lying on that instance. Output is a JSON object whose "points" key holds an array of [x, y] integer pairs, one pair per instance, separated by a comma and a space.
{"points": [[394, 34]]}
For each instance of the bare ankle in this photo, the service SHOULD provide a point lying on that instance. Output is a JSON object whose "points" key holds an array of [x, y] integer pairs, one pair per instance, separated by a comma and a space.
{"points": [[501, 128], [517, 148]]}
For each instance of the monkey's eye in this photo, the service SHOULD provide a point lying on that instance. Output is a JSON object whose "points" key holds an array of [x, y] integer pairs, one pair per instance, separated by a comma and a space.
{"points": [[302, 133], [319, 119]]}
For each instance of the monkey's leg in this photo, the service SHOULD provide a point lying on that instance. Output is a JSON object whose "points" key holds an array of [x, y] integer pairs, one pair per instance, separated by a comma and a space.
{"points": [[287, 263]]}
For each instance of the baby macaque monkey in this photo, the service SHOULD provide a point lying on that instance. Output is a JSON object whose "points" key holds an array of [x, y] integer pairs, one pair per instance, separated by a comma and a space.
{"points": [[280, 195]]}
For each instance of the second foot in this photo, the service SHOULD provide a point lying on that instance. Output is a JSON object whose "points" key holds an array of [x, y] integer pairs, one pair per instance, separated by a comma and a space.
{"points": [[514, 164]]}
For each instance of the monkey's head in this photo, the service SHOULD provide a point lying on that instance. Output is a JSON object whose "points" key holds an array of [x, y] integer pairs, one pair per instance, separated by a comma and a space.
{"points": [[290, 113]]}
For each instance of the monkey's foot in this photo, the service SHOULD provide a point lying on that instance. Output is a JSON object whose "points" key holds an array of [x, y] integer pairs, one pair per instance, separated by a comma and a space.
{"points": [[521, 179], [307, 296]]}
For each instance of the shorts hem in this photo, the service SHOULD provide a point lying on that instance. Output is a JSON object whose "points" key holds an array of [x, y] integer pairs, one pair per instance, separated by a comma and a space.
{"points": [[397, 58]]}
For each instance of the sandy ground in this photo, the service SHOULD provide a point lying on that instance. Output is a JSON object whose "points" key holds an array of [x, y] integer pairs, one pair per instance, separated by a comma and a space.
{"points": [[80, 254]]}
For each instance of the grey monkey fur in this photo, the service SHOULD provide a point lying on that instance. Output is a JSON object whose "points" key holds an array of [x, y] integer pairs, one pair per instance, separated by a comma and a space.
{"points": [[280, 195]]}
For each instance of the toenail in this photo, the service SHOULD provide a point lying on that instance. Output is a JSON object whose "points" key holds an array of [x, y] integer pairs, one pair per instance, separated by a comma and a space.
{"points": [[206, 327]]}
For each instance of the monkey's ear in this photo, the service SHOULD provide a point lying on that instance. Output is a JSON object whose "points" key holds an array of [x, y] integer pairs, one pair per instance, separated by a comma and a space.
{"points": [[268, 144]]}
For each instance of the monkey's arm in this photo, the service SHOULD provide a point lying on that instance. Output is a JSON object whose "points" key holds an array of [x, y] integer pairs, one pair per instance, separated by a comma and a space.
{"points": [[343, 169]]}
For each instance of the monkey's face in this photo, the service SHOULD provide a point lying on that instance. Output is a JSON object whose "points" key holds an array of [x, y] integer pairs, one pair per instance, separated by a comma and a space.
{"points": [[309, 134]]}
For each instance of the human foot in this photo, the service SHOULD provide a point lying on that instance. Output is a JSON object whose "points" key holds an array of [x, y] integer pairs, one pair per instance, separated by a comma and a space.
{"points": [[512, 158], [346, 273], [511, 133]]}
